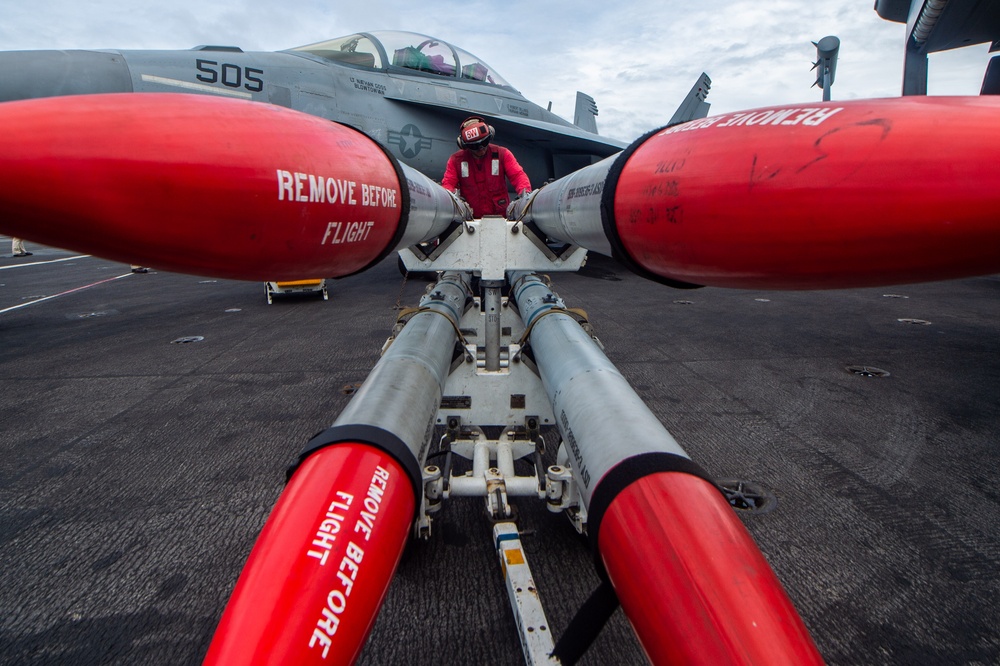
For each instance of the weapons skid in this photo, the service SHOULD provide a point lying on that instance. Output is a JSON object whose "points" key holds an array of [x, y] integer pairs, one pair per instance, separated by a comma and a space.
{"points": [[822, 196]]}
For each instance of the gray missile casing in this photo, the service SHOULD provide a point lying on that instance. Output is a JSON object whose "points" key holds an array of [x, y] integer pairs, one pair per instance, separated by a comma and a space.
{"points": [[395, 408], [602, 420], [569, 209]]}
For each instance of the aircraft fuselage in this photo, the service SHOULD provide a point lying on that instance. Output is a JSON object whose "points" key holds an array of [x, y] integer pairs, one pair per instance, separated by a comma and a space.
{"points": [[415, 114]]}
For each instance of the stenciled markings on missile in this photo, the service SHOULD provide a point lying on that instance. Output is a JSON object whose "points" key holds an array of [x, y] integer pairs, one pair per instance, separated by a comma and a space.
{"points": [[656, 192], [346, 232], [673, 215], [585, 190], [575, 448], [349, 566], [669, 167], [326, 533], [653, 215], [310, 188], [292, 187], [229, 75], [667, 188], [417, 188], [775, 117]]}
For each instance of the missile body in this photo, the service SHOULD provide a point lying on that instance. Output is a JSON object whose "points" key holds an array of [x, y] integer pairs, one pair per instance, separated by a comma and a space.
{"points": [[208, 186], [827, 196], [679, 559], [833, 195], [313, 584], [315, 580]]}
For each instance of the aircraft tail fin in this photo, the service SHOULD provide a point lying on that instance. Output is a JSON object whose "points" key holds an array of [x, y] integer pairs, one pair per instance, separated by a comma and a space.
{"points": [[586, 113], [694, 105], [991, 81]]}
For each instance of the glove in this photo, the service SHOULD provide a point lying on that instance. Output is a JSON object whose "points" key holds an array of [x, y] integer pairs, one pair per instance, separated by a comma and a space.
{"points": [[516, 208]]}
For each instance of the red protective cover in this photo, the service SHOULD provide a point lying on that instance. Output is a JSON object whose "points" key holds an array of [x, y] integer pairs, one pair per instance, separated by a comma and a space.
{"points": [[692, 581], [196, 184], [830, 195], [314, 582]]}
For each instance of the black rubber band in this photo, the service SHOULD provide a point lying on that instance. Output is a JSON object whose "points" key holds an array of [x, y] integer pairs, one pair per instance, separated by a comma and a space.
{"points": [[366, 434], [625, 474]]}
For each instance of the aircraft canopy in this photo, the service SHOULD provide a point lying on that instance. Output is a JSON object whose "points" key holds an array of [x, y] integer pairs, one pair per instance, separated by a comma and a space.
{"points": [[386, 50]]}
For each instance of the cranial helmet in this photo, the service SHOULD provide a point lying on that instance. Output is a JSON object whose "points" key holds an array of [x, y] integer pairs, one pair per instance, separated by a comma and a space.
{"points": [[475, 133]]}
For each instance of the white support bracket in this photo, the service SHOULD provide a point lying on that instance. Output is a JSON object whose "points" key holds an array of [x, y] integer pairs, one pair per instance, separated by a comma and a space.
{"points": [[492, 246], [532, 627], [493, 387]]}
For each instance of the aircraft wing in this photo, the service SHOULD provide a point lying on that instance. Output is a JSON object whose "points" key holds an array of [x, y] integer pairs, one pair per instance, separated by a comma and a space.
{"points": [[934, 26], [570, 139]]}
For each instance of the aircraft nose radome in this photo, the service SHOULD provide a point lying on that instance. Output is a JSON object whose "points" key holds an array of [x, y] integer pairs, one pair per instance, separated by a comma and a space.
{"points": [[31, 74]]}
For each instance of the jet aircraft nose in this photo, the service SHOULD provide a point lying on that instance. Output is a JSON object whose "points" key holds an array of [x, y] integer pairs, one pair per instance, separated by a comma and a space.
{"points": [[30, 74]]}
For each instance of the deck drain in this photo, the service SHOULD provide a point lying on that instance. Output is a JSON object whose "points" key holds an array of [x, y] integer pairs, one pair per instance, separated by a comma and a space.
{"points": [[763, 300], [894, 296], [918, 322], [867, 371], [235, 310], [684, 302], [748, 496], [187, 339], [207, 281]]}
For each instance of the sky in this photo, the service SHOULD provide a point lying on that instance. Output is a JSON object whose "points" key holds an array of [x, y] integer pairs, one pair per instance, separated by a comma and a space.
{"points": [[637, 58]]}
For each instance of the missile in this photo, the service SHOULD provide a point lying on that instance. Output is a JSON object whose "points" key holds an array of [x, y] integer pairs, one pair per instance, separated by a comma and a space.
{"points": [[823, 196], [678, 558], [314, 582], [797, 197], [316, 578], [209, 186]]}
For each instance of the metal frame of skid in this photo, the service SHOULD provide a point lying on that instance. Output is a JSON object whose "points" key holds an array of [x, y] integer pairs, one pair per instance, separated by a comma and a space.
{"points": [[494, 389]]}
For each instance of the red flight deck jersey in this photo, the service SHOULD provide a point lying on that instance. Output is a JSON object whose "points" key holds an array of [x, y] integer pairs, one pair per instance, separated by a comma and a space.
{"points": [[483, 181]]}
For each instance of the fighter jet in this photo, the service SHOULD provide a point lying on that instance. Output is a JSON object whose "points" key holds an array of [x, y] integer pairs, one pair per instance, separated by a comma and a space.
{"points": [[823, 196], [407, 91], [933, 26]]}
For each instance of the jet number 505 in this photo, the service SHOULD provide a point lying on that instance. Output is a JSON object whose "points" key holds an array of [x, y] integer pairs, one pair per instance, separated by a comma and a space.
{"points": [[231, 76]]}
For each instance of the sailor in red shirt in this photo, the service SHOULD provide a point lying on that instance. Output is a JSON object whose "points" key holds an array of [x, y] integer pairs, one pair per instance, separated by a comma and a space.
{"points": [[479, 171]]}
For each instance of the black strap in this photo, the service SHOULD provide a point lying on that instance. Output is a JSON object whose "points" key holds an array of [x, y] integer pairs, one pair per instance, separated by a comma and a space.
{"points": [[598, 609], [586, 624]]}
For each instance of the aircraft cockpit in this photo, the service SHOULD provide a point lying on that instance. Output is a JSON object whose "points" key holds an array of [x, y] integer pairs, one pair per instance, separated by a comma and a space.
{"points": [[389, 50]]}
